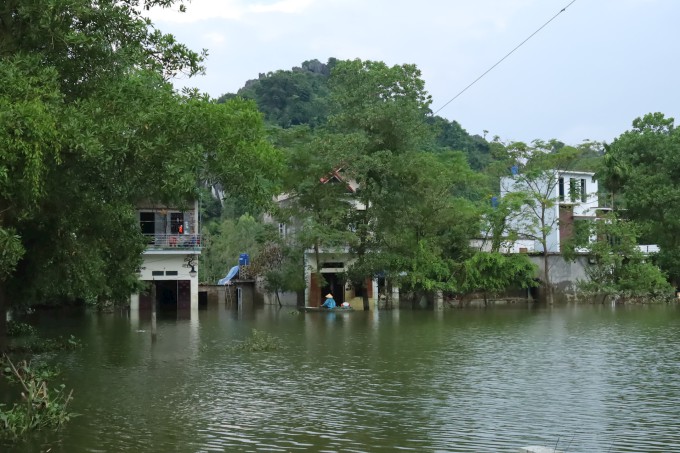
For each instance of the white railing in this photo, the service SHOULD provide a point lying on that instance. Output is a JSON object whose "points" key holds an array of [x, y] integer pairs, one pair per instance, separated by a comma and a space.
{"points": [[174, 241]]}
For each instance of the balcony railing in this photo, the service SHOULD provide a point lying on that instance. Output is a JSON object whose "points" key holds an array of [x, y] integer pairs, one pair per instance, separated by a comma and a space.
{"points": [[174, 241]]}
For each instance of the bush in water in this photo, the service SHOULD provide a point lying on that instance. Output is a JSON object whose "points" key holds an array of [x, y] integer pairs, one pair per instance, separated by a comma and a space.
{"points": [[40, 406], [258, 341]]}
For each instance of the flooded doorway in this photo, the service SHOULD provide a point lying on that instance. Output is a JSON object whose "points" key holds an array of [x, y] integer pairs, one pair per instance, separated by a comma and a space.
{"points": [[170, 295], [335, 285]]}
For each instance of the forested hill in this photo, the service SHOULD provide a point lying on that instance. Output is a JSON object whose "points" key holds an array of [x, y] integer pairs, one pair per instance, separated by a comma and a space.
{"points": [[300, 96]]}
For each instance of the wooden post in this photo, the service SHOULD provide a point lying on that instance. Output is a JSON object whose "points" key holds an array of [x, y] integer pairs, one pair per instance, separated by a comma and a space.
{"points": [[153, 312]]}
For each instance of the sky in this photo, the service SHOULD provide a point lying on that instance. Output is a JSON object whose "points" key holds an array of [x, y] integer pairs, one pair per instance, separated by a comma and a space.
{"points": [[586, 75]]}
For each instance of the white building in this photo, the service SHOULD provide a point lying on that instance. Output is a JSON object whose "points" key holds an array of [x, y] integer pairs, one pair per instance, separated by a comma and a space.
{"points": [[567, 196], [171, 257], [333, 262]]}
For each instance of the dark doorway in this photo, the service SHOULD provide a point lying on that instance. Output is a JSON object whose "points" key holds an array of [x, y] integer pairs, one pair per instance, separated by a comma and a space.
{"points": [[171, 295], [176, 222], [147, 221], [334, 285], [166, 294], [202, 300]]}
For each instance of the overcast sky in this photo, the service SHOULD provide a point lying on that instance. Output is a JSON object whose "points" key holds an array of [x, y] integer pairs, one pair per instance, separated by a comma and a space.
{"points": [[586, 75]]}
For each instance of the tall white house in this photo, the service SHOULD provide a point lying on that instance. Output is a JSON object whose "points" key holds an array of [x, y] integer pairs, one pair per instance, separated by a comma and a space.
{"points": [[170, 261], [568, 196]]}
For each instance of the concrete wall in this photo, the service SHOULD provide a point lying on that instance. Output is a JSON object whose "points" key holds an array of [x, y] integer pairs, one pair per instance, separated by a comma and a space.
{"points": [[287, 299], [228, 294], [563, 274]]}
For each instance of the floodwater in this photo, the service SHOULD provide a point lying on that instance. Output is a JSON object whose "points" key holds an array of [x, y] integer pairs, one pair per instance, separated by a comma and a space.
{"points": [[576, 378]]}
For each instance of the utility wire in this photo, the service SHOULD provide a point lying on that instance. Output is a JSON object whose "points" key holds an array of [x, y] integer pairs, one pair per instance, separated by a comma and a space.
{"points": [[506, 56]]}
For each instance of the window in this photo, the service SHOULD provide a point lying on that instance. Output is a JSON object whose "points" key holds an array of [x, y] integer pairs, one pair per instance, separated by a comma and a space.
{"points": [[170, 272], [282, 230], [584, 195], [147, 222], [572, 189], [177, 223], [561, 188], [157, 273]]}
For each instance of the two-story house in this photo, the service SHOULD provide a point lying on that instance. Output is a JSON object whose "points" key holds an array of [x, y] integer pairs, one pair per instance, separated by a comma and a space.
{"points": [[170, 261], [325, 269], [560, 199]]}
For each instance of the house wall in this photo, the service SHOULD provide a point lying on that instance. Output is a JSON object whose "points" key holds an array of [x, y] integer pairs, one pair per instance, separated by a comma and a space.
{"points": [[557, 213], [167, 263], [583, 208], [163, 214], [313, 295], [168, 250], [524, 223]]}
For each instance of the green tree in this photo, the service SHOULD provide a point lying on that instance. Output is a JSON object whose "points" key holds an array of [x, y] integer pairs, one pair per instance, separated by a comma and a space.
{"points": [[425, 225], [642, 164], [501, 222], [617, 267], [536, 183], [379, 114], [291, 97], [451, 135], [29, 143], [281, 265], [493, 272], [226, 240], [90, 127], [318, 198]]}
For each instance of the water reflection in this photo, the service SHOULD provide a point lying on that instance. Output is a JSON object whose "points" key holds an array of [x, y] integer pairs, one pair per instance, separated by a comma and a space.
{"points": [[582, 378]]}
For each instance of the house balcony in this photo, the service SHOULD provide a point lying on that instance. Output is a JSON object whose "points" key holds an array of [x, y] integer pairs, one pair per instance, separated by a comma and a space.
{"points": [[173, 243]]}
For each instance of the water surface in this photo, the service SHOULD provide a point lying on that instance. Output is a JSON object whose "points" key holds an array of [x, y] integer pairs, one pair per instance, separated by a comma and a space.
{"points": [[583, 379]]}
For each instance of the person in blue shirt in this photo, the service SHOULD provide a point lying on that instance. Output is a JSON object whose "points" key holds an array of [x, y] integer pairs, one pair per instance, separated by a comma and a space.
{"points": [[330, 302]]}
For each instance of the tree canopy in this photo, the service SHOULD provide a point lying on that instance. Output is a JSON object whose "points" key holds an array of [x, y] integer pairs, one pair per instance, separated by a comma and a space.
{"points": [[90, 126], [302, 96], [642, 165]]}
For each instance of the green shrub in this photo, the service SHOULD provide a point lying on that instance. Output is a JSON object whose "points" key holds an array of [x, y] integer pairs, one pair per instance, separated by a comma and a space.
{"points": [[40, 407], [36, 345], [258, 341], [20, 329]]}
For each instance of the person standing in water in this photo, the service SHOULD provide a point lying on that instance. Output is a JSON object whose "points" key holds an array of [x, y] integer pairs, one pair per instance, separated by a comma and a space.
{"points": [[330, 302]]}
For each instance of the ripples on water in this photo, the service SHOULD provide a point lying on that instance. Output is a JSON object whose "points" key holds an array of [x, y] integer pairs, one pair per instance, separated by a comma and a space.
{"points": [[583, 379]]}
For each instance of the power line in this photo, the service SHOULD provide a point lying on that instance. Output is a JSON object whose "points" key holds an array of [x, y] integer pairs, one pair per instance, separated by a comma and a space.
{"points": [[506, 56]]}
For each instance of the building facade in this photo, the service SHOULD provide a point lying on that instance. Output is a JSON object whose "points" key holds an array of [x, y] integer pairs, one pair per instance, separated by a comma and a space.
{"points": [[561, 199], [170, 261]]}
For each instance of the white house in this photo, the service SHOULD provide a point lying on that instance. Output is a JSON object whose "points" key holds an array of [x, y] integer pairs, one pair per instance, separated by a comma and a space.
{"points": [[333, 262], [569, 196], [170, 261]]}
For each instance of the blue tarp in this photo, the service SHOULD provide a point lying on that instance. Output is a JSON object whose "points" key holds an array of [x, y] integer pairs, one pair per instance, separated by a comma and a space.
{"points": [[232, 272]]}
